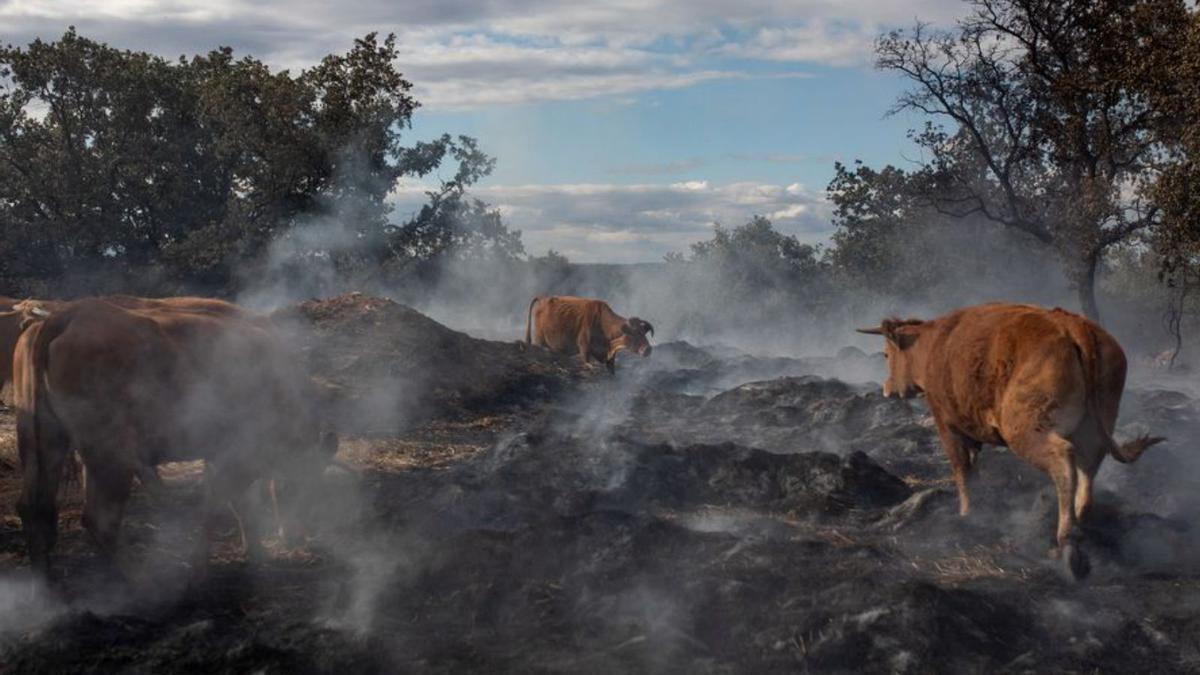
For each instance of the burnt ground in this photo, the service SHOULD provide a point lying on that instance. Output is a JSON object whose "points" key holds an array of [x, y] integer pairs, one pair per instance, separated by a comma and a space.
{"points": [[703, 511]]}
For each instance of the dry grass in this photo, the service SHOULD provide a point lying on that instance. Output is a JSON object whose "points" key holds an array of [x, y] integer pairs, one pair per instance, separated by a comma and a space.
{"points": [[978, 562], [918, 483], [435, 445], [393, 455]]}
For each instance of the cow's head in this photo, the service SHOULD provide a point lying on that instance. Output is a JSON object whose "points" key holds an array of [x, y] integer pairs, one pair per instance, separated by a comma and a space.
{"points": [[903, 366], [633, 335]]}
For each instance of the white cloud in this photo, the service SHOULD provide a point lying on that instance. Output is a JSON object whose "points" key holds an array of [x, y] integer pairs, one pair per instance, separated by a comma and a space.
{"points": [[816, 41], [639, 223], [472, 53]]}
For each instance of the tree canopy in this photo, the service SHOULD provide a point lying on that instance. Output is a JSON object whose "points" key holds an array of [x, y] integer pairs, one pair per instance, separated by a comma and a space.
{"points": [[123, 161]]}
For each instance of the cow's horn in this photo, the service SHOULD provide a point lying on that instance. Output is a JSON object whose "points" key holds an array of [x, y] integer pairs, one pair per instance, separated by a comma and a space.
{"points": [[649, 328], [878, 330], [38, 311]]}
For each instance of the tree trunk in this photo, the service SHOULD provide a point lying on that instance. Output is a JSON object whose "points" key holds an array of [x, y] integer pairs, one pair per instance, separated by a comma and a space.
{"points": [[1086, 285]]}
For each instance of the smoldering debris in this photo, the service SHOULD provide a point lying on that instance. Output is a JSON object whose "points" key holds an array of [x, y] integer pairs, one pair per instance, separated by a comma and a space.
{"points": [[389, 367], [694, 513]]}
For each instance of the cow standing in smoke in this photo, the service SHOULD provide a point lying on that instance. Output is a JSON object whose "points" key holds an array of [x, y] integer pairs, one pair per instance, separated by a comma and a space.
{"points": [[129, 384], [587, 327], [1045, 383]]}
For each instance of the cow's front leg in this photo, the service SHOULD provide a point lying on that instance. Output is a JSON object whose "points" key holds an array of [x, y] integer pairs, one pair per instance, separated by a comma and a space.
{"points": [[961, 452], [223, 483], [584, 344], [248, 524]]}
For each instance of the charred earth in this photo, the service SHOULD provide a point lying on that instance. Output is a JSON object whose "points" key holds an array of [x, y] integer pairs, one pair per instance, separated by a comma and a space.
{"points": [[702, 511]]}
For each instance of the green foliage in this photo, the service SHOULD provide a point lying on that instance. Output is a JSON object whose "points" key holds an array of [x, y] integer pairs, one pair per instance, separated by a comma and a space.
{"points": [[753, 272], [877, 237], [125, 162], [756, 252]]}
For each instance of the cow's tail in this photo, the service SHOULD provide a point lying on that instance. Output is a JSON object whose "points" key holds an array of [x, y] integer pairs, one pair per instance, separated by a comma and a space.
{"points": [[41, 439], [1091, 356], [529, 322]]}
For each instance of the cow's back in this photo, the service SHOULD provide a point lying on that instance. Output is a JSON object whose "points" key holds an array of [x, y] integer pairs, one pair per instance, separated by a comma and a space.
{"points": [[978, 351], [188, 382], [104, 369], [560, 320]]}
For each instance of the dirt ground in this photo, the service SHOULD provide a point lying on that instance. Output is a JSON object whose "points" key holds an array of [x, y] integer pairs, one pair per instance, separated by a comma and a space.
{"points": [[703, 512]]}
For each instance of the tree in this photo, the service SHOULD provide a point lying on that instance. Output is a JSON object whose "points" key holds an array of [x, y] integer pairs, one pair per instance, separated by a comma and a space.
{"points": [[756, 250], [875, 220], [123, 161], [889, 240], [751, 261], [1171, 81], [1048, 134]]}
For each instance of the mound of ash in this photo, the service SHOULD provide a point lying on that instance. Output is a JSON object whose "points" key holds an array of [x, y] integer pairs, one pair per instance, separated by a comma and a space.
{"points": [[793, 414], [563, 474], [683, 368], [392, 367]]}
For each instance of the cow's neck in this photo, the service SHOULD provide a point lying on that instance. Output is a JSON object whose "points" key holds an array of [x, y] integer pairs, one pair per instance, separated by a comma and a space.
{"points": [[919, 355]]}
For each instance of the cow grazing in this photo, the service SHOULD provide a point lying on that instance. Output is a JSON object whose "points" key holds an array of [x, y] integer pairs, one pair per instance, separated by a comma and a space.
{"points": [[586, 327], [129, 387], [1045, 383]]}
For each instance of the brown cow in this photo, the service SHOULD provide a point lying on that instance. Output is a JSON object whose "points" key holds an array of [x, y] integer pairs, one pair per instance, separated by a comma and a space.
{"points": [[586, 327], [130, 388], [13, 313], [1045, 383]]}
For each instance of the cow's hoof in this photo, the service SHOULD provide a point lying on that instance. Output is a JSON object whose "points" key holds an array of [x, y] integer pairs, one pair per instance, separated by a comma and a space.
{"points": [[1075, 562]]}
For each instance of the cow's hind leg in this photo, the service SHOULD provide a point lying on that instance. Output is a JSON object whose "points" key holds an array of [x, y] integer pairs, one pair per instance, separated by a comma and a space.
{"points": [[1084, 476], [1055, 455], [43, 452], [1091, 446]]}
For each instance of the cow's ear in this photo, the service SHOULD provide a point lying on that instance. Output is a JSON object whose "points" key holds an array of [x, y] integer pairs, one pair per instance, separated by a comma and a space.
{"points": [[903, 338], [626, 328], [902, 333]]}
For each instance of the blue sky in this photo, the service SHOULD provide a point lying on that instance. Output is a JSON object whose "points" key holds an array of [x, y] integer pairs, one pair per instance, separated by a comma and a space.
{"points": [[623, 129], [763, 130]]}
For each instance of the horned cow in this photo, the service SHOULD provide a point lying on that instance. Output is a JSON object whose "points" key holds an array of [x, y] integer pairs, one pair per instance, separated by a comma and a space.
{"points": [[1045, 383], [587, 327]]}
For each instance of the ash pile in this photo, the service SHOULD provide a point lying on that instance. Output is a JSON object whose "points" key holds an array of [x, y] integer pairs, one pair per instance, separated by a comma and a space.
{"points": [[390, 367], [703, 511]]}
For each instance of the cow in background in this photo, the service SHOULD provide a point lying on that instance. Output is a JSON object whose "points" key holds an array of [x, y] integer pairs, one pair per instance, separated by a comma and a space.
{"points": [[587, 327]]}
